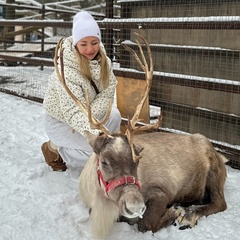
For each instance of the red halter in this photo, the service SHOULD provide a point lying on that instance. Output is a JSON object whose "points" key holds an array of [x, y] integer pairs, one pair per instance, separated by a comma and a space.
{"points": [[115, 183]]}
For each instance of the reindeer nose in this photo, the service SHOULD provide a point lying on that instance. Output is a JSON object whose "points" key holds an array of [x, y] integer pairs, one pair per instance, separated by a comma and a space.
{"points": [[134, 211]]}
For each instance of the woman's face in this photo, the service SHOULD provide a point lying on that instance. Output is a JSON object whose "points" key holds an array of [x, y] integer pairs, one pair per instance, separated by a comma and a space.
{"points": [[88, 47]]}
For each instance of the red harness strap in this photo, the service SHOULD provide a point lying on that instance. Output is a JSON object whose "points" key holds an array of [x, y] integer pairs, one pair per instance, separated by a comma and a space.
{"points": [[118, 182]]}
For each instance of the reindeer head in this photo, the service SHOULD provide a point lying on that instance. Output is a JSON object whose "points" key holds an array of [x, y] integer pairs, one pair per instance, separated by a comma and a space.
{"points": [[117, 172]]}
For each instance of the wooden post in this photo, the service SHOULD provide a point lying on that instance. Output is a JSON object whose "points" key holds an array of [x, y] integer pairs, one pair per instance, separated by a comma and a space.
{"points": [[109, 32], [10, 14]]}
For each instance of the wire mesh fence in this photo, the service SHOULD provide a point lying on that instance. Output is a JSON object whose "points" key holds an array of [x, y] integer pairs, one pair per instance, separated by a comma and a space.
{"points": [[195, 47]]}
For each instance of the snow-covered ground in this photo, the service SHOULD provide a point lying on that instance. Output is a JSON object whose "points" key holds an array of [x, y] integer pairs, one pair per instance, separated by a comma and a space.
{"points": [[37, 203]]}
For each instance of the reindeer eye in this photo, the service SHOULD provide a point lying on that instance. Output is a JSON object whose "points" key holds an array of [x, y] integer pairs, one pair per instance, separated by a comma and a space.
{"points": [[104, 163]]}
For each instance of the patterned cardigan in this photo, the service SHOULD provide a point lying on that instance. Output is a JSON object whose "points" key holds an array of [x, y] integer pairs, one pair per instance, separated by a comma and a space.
{"points": [[59, 104]]}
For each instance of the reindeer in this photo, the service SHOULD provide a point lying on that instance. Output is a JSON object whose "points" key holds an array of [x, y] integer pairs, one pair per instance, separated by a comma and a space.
{"points": [[150, 179]]}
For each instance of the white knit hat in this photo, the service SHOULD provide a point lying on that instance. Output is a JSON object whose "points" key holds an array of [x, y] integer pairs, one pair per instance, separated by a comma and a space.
{"points": [[84, 25]]}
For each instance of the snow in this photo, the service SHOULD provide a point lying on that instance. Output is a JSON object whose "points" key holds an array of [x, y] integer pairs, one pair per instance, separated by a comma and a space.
{"points": [[175, 19], [129, 42], [184, 76], [38, 203]]}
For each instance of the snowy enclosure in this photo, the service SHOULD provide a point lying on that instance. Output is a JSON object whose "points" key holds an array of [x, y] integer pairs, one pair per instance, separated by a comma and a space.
{"points": [[196, 86], [37, 203]]}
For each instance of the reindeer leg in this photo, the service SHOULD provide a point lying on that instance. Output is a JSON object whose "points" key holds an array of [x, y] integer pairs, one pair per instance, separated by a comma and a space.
{"points": [[189, 216], [168, 218], [157, 215], [215, 188], [155, 209]]}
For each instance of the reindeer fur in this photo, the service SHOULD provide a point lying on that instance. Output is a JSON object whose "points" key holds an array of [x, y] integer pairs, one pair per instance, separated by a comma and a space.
{"points": [[174, 170], [104, 212]]}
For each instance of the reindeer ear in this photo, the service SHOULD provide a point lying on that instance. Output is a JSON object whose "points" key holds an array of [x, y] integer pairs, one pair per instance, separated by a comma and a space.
{"points": [[100, 143], [91, 138], [137, 149], [96, 141]]}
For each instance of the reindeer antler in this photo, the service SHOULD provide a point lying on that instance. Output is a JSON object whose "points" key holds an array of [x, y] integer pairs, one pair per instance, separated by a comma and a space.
{"points": [[94, 123], [148, 69]]}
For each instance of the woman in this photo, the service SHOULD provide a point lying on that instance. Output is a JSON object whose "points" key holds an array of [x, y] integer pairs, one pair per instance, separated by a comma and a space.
{"points": [[86, 67]]}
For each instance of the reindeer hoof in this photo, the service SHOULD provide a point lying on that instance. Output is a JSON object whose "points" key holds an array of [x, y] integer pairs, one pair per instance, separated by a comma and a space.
{"points": [[178, 211], [187, 217], [183, 227]]}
